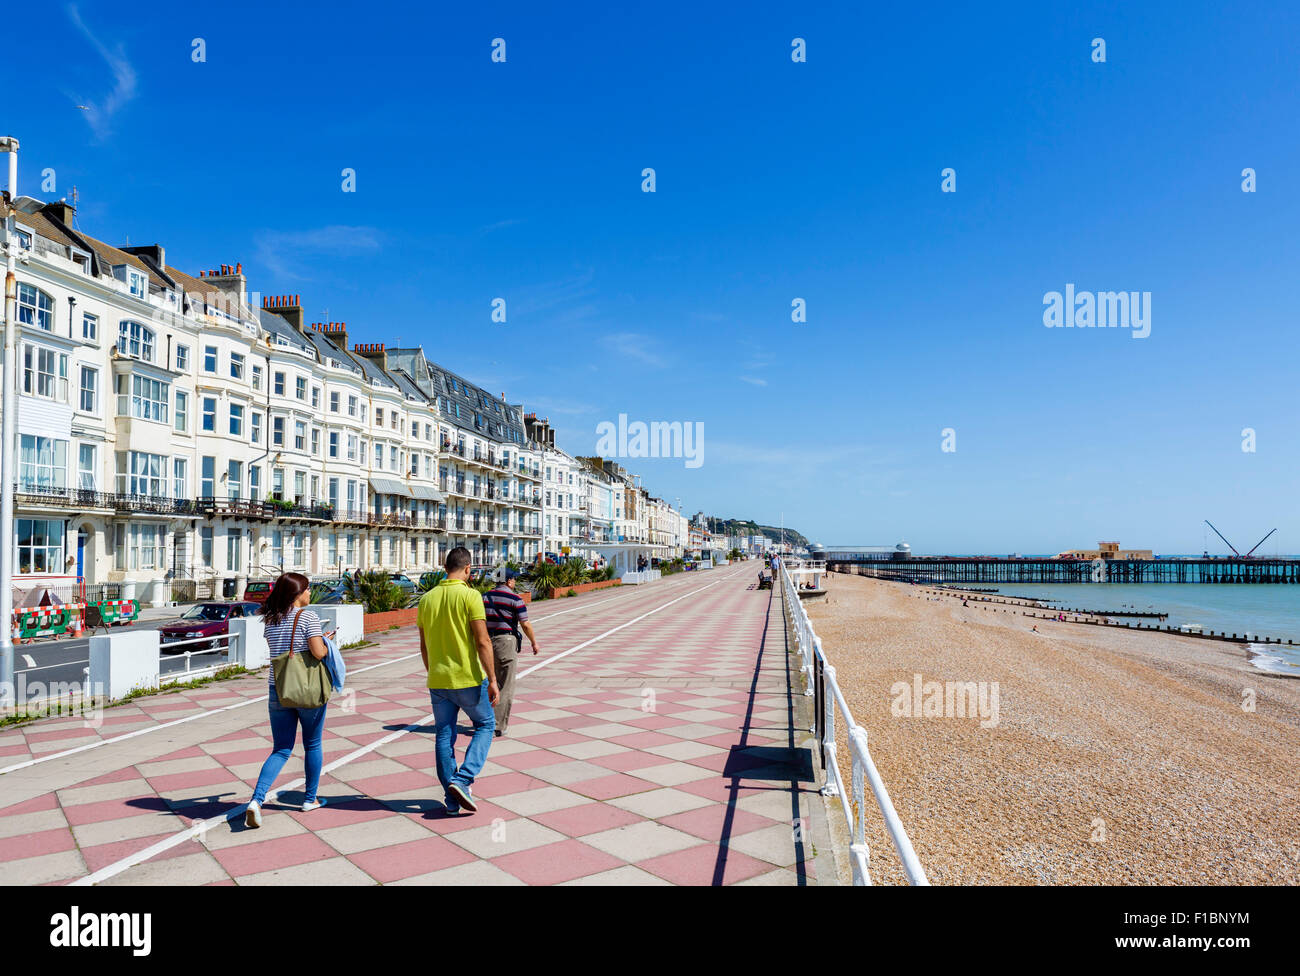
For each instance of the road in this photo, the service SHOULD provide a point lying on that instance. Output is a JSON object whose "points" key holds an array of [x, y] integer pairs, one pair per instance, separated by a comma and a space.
{"points": [[47, 661]]}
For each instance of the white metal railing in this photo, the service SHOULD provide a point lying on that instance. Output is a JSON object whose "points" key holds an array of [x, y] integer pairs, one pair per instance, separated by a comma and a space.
{"points": [[821, 684], [221, 645]]}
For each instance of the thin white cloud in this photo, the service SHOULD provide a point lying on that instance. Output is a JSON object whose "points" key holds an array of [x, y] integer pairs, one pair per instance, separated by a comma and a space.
{"points": [[753, 380], [636, 346], [100, 114], [286, 253], [556, 303], [499, 225]]}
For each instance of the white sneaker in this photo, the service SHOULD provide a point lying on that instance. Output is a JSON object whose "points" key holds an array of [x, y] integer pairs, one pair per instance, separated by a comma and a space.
{"points": [[253, 815], [311, 805]]}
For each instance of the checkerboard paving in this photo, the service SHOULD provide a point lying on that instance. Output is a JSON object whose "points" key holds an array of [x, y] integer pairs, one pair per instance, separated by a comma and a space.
{"points": [[661, 753]]}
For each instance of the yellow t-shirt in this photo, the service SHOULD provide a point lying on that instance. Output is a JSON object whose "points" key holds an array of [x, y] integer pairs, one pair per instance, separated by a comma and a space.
{"points": [[444, 616]]}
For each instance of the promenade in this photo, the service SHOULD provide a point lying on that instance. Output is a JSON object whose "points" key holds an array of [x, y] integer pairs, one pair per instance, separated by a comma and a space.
{"points": [[651, 742]]}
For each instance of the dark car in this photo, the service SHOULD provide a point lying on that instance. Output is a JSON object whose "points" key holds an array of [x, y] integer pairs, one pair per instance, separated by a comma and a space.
{"points": [[202, 620], [257, 591], [328, 591]]}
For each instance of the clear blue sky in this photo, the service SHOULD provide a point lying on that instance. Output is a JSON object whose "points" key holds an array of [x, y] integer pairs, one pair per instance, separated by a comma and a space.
{"points": [[776, 180]]}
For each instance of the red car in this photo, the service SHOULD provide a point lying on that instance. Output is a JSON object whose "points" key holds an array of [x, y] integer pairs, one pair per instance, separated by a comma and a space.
{"points": [[203, 620], [257, 591]]}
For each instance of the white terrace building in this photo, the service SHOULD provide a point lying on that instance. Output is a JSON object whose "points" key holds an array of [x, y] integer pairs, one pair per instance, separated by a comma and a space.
{"points": [[176, 440]]}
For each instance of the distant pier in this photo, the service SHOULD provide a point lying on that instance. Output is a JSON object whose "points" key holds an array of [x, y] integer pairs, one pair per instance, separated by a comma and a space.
{"points": [[987, 569]]}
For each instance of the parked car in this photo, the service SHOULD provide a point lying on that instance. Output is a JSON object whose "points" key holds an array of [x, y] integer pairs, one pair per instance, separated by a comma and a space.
{"points": [[257, 591], [404, 581], [328, 592], [203, 620]]}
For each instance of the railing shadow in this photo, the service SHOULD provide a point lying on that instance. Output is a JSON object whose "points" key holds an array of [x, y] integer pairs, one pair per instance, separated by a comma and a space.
{"points": [[788, 765]]}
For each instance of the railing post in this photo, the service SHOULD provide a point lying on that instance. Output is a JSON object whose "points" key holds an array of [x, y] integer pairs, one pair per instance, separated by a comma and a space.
{"points": [[858, 735], [829, 751]]}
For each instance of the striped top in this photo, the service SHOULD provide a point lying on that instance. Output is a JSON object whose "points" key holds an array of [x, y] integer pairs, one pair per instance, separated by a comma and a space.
{"points": [[277, 636], [505, 611]]}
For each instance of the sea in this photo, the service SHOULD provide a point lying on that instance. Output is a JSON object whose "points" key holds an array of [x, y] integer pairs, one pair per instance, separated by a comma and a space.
{"points": [[1256, 610]]}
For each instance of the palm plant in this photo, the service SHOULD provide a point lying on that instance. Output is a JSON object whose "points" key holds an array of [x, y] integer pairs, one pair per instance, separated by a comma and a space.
{"points": [[374, 591], [572, 571], [545, 577], [428, 581]]}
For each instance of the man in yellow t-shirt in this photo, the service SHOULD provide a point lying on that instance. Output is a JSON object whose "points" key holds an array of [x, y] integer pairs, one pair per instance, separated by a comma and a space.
{"points": [[457, 655]]}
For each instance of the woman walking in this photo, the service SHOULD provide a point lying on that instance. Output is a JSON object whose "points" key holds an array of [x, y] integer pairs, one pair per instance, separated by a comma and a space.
{"points": [[292, 628]]}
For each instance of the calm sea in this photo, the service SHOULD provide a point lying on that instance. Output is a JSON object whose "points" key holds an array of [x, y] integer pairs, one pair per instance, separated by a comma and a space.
{"points": [[1260, 610]]}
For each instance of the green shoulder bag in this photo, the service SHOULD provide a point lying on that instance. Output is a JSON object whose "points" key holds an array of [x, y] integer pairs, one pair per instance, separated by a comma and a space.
{"points": [[301, 681]]}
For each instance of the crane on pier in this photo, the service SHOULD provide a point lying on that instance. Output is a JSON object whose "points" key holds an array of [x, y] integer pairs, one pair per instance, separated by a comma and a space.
{"points": [[1259, 543], [1234, 548]]}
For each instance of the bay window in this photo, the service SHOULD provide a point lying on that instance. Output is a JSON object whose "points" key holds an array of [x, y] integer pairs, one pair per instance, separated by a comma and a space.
{"points": [[142, 474], [45, 373], [136, 340], [42, 462], [143, 397]]}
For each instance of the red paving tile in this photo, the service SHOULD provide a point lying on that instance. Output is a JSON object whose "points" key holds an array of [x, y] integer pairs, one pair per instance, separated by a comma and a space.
{"points": [[587, 818], [644, 740], [174, 782], [711, 822], [626, 762], [47, 801], [269, 855], [503, 784], [608, 787], [36, 844], [394, 783], [530, 760], [556, 863], [400, 861], [699, 866], [85, 813], [548, 740]]}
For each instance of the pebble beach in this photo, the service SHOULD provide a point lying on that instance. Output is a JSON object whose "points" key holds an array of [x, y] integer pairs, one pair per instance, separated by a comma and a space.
{"points": [[1116, 757]]}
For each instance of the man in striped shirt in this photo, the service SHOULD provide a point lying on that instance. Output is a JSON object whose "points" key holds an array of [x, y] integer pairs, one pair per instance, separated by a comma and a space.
{"points": [[506, 615]]}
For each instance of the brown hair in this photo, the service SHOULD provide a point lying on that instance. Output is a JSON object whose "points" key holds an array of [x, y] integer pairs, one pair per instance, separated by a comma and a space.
{"points": [[280, 600]]}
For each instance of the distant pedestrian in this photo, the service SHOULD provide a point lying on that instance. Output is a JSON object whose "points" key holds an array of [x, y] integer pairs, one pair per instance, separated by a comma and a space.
{"points": [[457, 655], [507, 615], [293, 628]]}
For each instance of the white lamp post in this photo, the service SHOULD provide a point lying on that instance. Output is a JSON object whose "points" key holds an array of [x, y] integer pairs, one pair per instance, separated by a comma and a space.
{"points": [[9, 382]]}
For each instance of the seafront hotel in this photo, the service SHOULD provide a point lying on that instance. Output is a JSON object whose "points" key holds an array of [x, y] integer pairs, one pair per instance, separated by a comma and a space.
{"points": [[178, 436]]}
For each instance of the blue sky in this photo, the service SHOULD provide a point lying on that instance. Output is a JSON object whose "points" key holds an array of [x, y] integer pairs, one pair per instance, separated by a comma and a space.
{"points": [[775, 180]]}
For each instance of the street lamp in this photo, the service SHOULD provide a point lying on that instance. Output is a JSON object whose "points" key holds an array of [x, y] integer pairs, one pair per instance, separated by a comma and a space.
{"points": [[8, 425]]}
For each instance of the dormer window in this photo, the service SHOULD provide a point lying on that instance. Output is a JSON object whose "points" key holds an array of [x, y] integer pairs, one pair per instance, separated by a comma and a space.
{"points": [[135, 340], [136, 281], [24, 240]]}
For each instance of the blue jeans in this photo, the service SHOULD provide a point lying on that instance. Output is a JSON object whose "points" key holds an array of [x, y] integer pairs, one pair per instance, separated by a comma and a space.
{"points": [[284, 731], [447, 704]]}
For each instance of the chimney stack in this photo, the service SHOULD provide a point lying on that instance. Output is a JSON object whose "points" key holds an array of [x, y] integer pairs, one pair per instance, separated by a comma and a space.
{"points": [[287, 307]]}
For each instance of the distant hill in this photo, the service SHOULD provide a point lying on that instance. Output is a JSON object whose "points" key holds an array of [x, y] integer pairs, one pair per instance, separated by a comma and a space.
{"points": [[749, 527]]}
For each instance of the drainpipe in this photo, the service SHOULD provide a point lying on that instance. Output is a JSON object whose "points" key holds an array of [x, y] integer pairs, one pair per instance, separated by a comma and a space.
{"points": [[8, 426], [266, 430]]}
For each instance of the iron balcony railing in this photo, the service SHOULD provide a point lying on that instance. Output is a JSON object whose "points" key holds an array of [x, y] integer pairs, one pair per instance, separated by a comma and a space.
{"points": [[828, 701], [30, 494]]}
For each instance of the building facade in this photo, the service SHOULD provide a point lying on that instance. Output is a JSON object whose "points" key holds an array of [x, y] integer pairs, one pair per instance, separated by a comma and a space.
{"points": [[178, 435]]}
